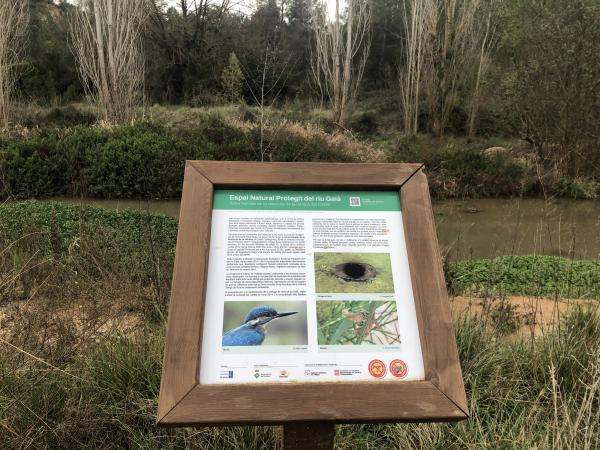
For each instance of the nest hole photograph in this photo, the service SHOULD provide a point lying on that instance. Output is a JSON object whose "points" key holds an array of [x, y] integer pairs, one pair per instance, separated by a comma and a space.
{"points": [[353, 273]]}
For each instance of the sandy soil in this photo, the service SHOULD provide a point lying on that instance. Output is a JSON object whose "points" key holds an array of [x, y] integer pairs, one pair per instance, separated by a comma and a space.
{"points": [[536, 314]]}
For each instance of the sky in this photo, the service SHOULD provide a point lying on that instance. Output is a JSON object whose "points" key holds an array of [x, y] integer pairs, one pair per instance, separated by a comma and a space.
{"points": [[247, 5]]}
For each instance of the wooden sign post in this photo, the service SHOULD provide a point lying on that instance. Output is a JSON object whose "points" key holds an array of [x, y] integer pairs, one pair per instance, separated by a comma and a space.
{"points": [[305, 295]]}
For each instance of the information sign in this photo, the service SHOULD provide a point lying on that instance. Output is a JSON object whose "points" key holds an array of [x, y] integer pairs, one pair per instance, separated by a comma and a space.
{"points": [[308, 294], [308, 286]]}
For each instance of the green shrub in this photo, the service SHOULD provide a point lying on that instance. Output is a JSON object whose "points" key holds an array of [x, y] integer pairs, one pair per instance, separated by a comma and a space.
{"points": [[32, 116], [526, 275], [140, 161], [365, 123], [467, 171], [65, 116], [578, 188], [18, 217]]}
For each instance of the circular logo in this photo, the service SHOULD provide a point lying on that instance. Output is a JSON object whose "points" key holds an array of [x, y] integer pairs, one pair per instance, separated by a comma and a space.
{"points": [[398, 368], [377, 368]]}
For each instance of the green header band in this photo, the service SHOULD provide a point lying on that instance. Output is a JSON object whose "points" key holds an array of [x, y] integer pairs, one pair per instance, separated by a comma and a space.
{"points": [[272, 200]]}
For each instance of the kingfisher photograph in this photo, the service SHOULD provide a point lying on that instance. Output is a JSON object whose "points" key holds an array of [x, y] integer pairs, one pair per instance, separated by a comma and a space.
{"points": [[357, 323], [256, 324]]}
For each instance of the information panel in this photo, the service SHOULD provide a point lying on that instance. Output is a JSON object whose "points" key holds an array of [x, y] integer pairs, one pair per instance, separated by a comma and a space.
{"points": [[308, 286]]}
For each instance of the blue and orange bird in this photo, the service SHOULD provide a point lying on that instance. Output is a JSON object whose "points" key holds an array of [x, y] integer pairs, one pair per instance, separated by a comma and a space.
{"points": [[253, 331]]}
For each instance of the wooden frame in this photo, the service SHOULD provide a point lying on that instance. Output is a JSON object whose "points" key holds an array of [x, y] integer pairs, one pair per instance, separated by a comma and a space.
{"points": [[183, 401]]}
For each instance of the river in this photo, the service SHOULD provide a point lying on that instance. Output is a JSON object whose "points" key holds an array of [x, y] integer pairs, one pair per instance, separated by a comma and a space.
{"points": [[481, 228]]}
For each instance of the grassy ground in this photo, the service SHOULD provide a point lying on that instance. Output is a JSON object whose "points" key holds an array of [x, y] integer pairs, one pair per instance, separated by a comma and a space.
{"points": [[83, 296]]}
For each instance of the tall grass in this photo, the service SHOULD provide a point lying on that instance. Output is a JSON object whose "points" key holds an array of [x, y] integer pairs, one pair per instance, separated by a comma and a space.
{"points": [[522, 394]]}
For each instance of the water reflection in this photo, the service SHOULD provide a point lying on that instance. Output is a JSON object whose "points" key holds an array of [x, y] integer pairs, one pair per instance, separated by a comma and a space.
{"points": [[491, 227]]}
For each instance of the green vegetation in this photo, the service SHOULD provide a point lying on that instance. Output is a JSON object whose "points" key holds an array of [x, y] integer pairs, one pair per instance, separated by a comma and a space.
{"points": [[462, 169], [545, 276], [232, 79], [144, 160], [60, 230], [357, 323], [327, 282]]}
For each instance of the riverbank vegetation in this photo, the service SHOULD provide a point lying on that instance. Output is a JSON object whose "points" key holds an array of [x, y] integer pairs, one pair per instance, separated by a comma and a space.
{"points": [[83, 299], [146, 160], [534, 275]]}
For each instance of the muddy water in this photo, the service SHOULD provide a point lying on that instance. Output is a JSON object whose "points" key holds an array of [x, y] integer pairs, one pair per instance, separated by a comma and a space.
{"points": [[482, 228], [491, 227]]}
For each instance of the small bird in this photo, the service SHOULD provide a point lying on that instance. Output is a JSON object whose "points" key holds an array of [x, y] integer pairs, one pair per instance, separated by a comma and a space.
{"points": [[253, 331], [360, 319]]}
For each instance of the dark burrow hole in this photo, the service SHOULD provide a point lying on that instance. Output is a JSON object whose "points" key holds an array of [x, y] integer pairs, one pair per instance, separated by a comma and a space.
{"points": [[354, 271]]}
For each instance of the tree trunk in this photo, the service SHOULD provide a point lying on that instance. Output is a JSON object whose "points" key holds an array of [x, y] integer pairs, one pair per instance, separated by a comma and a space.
{"points": [[14, 15], [337, 65], [104, 89], [110, 25], [344, 109]]}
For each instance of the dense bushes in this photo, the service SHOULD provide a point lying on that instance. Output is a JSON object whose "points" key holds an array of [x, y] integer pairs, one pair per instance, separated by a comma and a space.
{"points": [[460, 167], [548, 276], [146, 160], [140, 161], [465, 170], [120, 241], [59, 116], [471, 173], [128, 161], [63, 228]]}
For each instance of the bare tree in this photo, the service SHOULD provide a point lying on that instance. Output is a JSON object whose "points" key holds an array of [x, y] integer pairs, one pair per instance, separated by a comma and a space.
{"points": [[451, 40], [488, 41], [340, 53], [14, 16], [106, 41], [410, 72]]}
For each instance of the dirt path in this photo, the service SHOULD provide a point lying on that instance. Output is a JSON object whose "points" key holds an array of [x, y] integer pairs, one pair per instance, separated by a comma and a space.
{"points": [[535, 314]]}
